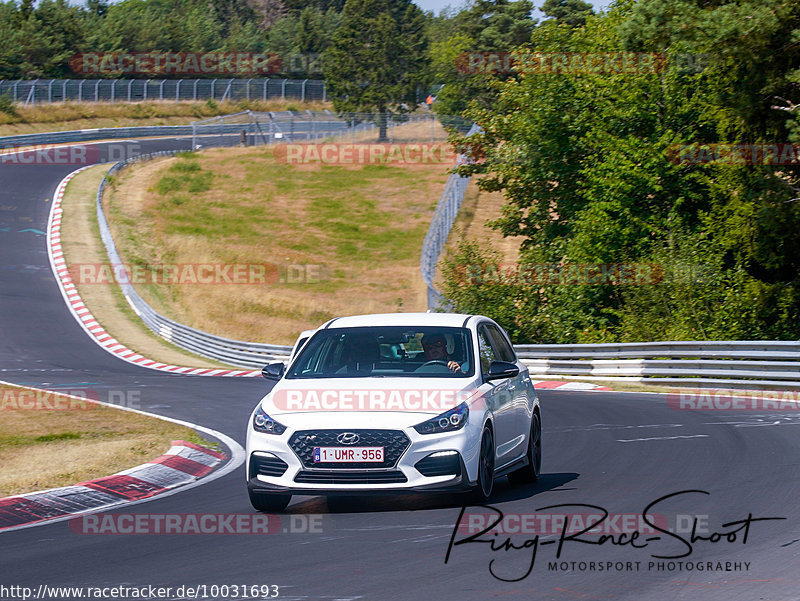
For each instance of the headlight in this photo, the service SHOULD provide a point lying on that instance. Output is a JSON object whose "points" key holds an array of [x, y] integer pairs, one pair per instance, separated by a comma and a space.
{"points": [[264, 423], [449, 421]]}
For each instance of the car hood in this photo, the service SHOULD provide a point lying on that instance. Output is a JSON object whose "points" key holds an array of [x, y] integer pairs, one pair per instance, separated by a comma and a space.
{"points": [[365, 400]]}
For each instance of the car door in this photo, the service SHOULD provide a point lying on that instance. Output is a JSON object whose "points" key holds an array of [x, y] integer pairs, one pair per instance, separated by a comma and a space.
{"points": [[519, 387], [499, 399]]}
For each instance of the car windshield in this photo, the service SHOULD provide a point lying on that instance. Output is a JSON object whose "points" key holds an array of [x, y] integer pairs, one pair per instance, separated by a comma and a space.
{"points": [[417, 352]]}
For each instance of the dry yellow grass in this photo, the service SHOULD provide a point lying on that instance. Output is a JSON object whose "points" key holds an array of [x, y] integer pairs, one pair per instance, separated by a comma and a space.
{"points": [[45, 447], [73, 115], [81, 242], [477, 210], [362, 226]]}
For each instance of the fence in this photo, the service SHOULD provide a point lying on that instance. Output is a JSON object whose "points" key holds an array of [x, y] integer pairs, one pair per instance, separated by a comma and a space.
{"points": [[443, 218], [35, 91]]}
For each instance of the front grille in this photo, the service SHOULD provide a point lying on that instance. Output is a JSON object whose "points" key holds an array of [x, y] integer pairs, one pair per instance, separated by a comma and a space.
{"points": [[340, 477], [267, 466], [394, 443], [441, 465]]}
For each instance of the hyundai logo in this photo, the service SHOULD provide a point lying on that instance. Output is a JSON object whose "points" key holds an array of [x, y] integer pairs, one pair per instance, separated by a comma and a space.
{"points": [[348, 438]]}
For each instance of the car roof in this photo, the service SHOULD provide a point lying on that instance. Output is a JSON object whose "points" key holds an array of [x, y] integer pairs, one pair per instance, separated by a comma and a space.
{"points": [[445, 320]]}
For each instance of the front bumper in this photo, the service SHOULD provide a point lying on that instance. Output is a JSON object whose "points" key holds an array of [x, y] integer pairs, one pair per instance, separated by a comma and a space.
{"points": [[277, 464], [451, 484]]}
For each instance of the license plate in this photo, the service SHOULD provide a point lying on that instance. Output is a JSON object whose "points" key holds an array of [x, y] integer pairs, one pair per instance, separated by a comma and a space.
{"points": [[348, 454]]}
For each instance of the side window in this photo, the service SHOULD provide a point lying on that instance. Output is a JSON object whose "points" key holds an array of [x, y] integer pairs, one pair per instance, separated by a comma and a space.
{"points": [[505, 351], [485, 350]]}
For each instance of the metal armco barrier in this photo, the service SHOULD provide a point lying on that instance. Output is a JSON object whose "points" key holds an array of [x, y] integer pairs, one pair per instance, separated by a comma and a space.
{"points": [[32, 91], [731, 364]]}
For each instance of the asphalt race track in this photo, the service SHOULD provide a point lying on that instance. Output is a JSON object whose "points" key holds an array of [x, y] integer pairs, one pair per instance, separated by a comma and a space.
{"points": [[609, 450]]}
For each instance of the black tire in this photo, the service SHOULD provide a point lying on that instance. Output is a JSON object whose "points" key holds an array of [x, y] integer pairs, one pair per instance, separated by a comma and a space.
{"points": [[268, 501], [530, 473], [485, 483]]}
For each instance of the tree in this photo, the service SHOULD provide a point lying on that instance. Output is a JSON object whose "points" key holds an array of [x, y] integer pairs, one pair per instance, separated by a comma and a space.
{"points": [[376, 59], [571, 12], [485, 28], [584, 160], [269, 12]]}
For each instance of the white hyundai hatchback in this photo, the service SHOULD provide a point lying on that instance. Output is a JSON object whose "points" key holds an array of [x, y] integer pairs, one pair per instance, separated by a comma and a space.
{"points": [[392, 403]]}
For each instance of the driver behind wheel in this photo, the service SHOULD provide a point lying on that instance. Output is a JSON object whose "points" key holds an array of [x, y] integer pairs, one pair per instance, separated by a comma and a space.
{"points": [[435, 349]]}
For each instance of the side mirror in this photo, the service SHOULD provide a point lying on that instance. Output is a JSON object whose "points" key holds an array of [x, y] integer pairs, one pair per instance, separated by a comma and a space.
{"points": [[273, 371], [502, 369]]}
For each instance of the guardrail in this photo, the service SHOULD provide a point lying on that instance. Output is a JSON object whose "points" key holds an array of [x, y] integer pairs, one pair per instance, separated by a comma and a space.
{"points": [[115, 133], [727, 364]]}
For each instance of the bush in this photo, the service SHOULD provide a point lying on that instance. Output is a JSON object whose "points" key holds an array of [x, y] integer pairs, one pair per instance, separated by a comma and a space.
{"points": [[7, 105]]}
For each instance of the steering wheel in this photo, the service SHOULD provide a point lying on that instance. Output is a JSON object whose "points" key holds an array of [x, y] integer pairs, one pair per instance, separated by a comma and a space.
{"points": [[434, 362]]}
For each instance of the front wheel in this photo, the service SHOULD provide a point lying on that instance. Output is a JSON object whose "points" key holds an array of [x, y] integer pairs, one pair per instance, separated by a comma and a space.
{"points": [[530, 473], [485, 484], [268, 501]]}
